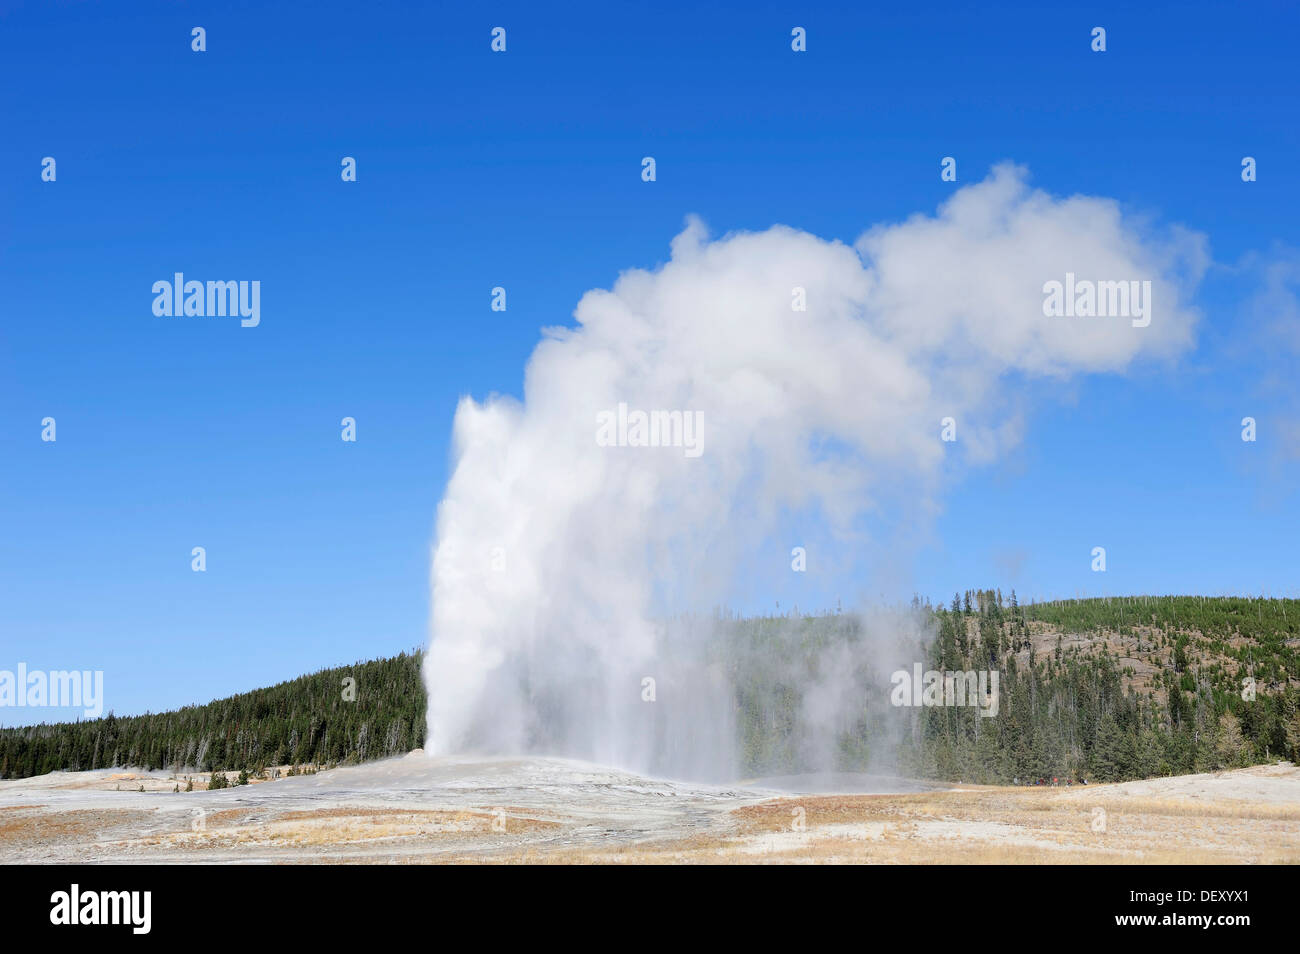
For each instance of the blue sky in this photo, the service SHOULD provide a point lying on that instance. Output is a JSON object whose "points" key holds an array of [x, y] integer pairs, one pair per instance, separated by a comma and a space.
{"points": [[478, 169]]}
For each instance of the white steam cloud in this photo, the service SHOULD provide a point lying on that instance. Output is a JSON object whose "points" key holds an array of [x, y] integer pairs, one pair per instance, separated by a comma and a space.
{"points": [[561, 563]]}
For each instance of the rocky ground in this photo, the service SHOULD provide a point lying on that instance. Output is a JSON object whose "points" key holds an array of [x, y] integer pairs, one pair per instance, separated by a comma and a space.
{"points": [[417, 810]]}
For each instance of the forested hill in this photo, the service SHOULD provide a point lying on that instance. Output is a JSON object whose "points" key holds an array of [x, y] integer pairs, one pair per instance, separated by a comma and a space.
{"points": [[1115, 688], [1106, 689], [317, 719]]}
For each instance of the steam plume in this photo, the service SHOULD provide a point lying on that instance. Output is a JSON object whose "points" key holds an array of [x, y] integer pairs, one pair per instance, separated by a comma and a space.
{"points": [[561, 564]]}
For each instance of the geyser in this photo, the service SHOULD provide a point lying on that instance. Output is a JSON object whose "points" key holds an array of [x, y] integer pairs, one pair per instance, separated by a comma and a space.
{"points": [[574, 576]]}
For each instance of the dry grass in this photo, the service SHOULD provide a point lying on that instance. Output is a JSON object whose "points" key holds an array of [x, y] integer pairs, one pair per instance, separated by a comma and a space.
{"points": [[347, 827], [35, 828], [1015, 826], [1187, 808]]}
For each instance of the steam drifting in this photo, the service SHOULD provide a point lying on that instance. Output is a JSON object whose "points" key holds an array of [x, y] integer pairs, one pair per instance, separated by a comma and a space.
{"points": [[577, 557]]}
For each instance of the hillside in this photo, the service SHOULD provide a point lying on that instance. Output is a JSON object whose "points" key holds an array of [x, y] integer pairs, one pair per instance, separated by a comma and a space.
{"points": [[314, 719], [1117, 688]]}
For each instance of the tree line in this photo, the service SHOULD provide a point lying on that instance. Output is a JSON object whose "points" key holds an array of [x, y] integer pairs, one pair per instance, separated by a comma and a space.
{"points": [[370, 710], [1146, 686]]}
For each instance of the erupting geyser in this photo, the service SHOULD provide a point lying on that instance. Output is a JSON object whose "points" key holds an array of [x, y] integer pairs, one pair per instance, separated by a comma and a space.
{"points": [[755, 386]]}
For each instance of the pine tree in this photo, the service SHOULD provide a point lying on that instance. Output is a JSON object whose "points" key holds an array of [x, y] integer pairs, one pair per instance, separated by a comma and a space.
{"points": [[1293, 737], [1229, 746], [1107, 754]]}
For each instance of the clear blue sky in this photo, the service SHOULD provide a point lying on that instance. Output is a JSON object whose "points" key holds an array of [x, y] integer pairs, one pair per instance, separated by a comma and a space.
{"points": [[523, 170]]}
